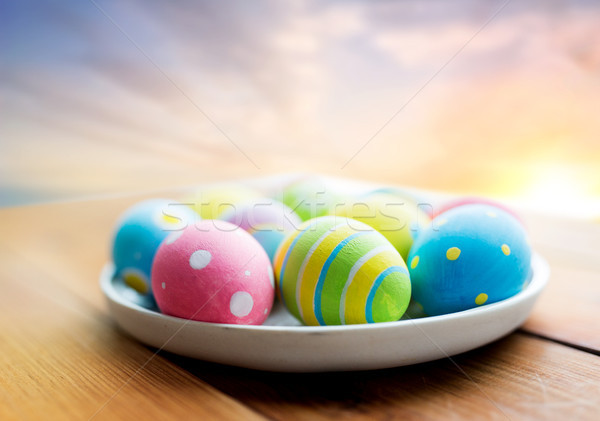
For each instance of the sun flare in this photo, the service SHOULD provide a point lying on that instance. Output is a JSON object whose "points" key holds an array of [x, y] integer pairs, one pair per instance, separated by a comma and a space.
{"points": [[561, 190]]}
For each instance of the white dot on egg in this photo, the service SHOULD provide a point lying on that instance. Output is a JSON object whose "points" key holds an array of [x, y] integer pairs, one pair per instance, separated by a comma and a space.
{"points": [[266, 310], [171, 238], [241, 304], [247, 273], [200, 259], [163, 285]]}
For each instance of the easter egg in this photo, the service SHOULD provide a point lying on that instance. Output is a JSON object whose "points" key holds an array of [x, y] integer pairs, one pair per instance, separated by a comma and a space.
{"points": [[310, 197], [252, 214], [469, 256], [269, 239], [138, 234], [471, 201], [209, 203], [420, 199], [213, 272], [334, 270], [268, 220], [397, 219]]}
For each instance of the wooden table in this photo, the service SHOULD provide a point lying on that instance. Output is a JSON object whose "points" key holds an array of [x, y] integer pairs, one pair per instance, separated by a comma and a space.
{"points": [[61, 355]]}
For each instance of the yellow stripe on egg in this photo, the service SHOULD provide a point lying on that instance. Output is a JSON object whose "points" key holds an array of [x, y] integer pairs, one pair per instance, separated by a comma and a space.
{"points": [[360, 286], [314, 268], [355, 268], [292, 262], [309, 270], [351, 250], [281, 252]]}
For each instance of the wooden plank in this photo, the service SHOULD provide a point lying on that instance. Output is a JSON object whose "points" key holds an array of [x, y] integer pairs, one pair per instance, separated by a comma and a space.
{"points": [[70, 241], [570, 241], [519, 377], [61, 358], [568, 310]]}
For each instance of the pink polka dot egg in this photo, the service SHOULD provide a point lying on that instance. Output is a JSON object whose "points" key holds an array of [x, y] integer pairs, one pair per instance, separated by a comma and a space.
{"points": [[214, 272]]}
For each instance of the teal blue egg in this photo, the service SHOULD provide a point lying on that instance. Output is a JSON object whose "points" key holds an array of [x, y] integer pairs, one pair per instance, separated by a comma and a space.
{"points": [[270, 240], [469, 256], [139, 232]]}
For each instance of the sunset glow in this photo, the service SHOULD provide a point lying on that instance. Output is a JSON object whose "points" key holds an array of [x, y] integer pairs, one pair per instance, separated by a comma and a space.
{"points": [[391, 92]]}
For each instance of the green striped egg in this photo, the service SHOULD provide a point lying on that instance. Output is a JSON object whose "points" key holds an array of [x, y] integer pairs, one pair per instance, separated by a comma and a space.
{"points": [[335, 270]]}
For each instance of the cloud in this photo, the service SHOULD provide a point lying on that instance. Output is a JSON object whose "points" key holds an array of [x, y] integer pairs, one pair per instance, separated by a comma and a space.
{"points": [[294, 84]]}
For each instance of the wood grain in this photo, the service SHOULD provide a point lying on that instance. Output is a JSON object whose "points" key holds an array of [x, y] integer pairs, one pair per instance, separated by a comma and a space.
{"points": [[63, 359], [516, 378], [71, 241], [569, 309]]}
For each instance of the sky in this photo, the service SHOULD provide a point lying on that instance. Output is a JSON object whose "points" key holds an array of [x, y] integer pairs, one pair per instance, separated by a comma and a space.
{"points": [[484, 97]]}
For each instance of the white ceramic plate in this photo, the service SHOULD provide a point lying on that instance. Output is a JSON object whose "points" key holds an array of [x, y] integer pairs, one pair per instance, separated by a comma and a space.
{"points": [[281, 344]]}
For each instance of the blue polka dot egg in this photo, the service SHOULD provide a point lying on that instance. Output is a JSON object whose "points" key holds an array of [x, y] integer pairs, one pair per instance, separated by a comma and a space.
{"points": [[469, 256], [138, 233]]}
